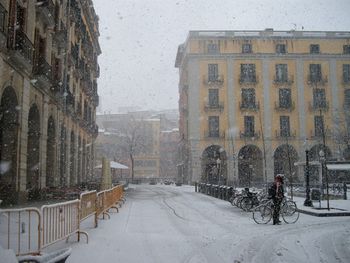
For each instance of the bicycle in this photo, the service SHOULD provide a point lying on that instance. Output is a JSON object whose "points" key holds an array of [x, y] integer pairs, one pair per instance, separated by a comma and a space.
{"points": [[262, 214]]}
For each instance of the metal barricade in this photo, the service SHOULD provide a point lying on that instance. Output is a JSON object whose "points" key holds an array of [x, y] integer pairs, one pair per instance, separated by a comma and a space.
{"points": [[20, 230], [60, 221], [88, 205]]}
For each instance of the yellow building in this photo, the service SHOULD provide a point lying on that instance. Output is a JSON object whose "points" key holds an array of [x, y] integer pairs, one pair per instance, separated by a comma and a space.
{"points": [[48, 95], [252, 102]]}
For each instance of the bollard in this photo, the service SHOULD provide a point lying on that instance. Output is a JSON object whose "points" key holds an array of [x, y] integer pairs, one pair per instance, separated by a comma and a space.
{"points": [[345, 189], [195, 187]]}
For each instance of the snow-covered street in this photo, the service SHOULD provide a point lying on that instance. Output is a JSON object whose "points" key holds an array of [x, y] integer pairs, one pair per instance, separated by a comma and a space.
{"points": [[160, 223]]}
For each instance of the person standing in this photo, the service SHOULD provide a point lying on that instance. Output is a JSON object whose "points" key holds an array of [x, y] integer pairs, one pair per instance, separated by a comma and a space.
{"points": [[276, 192]]}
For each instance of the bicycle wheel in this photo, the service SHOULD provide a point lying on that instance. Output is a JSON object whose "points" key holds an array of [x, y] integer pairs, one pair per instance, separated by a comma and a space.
{"points": [[262, 214], [247, 204], [289, 212]]}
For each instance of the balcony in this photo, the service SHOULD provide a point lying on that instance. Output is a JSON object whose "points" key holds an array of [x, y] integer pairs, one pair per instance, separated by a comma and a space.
{"points": [[214, 135], [214, 107], [244, 106], [285, 135], [283, 81], [249, 135], [320, 106], [3, 26], [60, 38], [46, 11], [22, 53], [284, 107], [318, 134], [251, 80], [213, 80], [42, 71], [317, 80]]}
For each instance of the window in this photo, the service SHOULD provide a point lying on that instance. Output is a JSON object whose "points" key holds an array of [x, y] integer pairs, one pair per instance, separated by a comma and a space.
{"points": [[346, 49], [213, 72], [281, 73], [249, 126], [248, 98], [319, 126], [284, 126], [285, 98], [213, 126], [2, 19], [314, 49], [347, 99], [319, 98], [281, 49], [213, 48], [213, 97], [247, 48], [248, 73], [315, 73], [346, 73]]}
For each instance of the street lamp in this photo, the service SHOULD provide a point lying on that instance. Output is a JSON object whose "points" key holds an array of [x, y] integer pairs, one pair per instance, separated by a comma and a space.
{"points": [[250, 174], [307, 201], [218, 162], [324, 170]]}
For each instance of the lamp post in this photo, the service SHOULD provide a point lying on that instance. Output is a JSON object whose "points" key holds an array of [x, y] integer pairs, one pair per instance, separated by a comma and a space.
{"points": [[307, 201], [218, 162], [250, 174], [324, 171]]}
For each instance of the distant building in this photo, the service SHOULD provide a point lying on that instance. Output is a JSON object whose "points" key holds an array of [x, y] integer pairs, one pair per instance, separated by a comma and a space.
{"points": [[252, 102], [169, 154], [48, 93]]}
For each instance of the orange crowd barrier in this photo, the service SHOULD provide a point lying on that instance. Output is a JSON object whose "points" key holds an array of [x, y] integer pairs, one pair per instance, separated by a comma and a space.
{"points": [[60, 221], [88, 202]]}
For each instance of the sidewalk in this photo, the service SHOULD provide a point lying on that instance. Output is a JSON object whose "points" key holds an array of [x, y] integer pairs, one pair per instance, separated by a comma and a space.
{"points": [[336, 207]]}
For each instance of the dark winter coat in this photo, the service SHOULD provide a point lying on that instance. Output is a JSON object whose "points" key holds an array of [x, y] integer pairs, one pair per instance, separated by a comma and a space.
{"points": [[273, 194]]}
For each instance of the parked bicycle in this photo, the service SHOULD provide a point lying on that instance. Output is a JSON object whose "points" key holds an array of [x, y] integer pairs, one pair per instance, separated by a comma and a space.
{"points": [[262, 214]]}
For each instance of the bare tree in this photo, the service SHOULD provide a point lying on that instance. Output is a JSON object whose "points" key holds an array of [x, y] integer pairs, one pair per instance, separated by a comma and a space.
{"points": [[133, 139]]}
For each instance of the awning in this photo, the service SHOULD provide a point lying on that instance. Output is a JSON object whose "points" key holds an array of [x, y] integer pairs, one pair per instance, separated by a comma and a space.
{"points": [[338, 166], [114, 165]]}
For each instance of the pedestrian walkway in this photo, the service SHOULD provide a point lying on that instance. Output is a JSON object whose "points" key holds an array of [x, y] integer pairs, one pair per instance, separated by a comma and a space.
{"points": [[336, 207]]}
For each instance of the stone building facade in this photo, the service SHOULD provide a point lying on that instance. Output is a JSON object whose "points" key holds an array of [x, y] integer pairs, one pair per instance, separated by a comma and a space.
{"points": [[252, 102], [48, 95]]}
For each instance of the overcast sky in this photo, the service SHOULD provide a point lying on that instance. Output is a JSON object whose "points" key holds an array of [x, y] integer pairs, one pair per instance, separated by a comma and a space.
{"points": [[139, 39]]}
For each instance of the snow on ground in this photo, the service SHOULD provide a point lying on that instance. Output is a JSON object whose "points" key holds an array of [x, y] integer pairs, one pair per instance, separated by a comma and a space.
{"points": [[161, 223]]}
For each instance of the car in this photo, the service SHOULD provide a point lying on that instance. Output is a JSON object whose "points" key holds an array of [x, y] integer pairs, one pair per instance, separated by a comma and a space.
{"points": [[168, 182]]}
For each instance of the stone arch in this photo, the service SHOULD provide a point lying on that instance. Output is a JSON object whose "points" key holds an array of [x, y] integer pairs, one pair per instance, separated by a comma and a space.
{"points": [[284, 158], [214, 165], [250, 166], [50, 152], [8, 145], [33, 152]]}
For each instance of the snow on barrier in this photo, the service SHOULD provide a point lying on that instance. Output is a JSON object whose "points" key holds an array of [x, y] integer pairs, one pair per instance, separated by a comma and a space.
{"points": [[60, 221], [20, 230], [88, 203]]}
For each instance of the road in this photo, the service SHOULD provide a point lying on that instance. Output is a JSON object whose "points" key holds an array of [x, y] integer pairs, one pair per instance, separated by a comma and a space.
{"points": [[160, 223]]}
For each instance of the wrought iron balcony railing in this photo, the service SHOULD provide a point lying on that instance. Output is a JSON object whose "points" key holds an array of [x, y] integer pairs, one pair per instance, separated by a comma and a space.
{"points": [[245, 106], [315, 80], [317, 106], [214, 107], [43, 68], [3, 19], [284, 81], [284, 107], [24, 46], [249, 135], [248, 80], [279, 134], [214, 135], [214, 80]]}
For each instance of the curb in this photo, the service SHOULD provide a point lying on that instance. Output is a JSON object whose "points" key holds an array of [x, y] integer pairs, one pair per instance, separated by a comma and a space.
{"points": [[324, 214]]}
